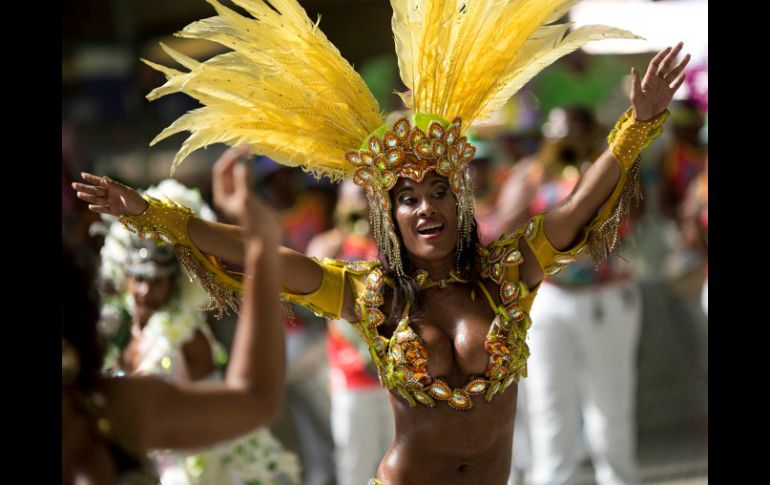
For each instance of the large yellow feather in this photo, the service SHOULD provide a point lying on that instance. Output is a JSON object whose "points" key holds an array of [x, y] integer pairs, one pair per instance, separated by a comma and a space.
{"points": [[468, 57], [284, 89], [539, 53]]}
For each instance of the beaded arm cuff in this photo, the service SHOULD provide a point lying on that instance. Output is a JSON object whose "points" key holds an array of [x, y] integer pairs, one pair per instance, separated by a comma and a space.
{"points": [[627, 140], [630, 136], [165, 222]]}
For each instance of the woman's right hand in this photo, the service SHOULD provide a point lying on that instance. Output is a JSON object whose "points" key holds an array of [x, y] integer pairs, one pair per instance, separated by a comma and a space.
{"points": [[105, 196]]}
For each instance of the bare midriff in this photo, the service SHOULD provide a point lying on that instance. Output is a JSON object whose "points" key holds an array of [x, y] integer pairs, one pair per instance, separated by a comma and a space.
{"points": [[442, 445]]}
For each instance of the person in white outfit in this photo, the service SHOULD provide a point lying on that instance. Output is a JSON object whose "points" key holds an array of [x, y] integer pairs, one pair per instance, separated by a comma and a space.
{"points": [[585, 367]]}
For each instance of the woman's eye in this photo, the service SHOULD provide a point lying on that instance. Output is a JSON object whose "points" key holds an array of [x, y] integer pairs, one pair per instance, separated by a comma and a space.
{"points": [[407, 200], [439, 194]]}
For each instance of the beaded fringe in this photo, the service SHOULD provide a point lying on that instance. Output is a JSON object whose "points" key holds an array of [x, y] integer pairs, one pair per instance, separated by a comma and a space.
{"points": [[288, 312], [385, 235], [223, 299], [603, 239]]}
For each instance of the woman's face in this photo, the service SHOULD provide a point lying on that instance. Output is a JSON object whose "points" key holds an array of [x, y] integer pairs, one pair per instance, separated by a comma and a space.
{"points": [[426, 215], [150, 294]]}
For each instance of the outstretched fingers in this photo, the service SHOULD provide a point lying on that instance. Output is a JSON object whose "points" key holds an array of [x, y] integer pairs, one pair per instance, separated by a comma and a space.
{"points": [[637, 88], [678, 82], [677, 69], [100, 209], [92, 199], [98, 181], [656, 61], [668, 60], [89, 189]]}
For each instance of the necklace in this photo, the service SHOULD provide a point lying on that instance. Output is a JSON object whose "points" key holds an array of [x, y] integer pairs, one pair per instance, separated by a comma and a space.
{"points": [[424, 281]]}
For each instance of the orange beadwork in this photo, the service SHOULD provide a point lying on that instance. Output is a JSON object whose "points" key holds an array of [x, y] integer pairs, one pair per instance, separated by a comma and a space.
{"points": [[402, 362], [460, 400], [406, 151], [440, 390], [476, 387]]}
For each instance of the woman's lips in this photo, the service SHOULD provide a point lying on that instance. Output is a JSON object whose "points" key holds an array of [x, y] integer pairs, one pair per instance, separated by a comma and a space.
{"points": [[430, 230]]}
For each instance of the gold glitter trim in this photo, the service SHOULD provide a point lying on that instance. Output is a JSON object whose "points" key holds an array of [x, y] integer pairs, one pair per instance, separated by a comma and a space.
{"points": [[223, 299]]}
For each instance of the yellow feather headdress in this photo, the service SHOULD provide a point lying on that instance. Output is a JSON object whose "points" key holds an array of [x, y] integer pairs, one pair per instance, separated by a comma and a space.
{"points": [[285, 90]]}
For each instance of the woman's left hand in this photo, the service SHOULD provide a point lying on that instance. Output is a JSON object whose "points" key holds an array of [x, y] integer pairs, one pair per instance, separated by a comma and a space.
{"points": [[650, 96]]}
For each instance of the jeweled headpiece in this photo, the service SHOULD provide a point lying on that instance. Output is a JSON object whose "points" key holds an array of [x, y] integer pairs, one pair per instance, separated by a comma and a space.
{"points": [[286, 91], [410, 151]]}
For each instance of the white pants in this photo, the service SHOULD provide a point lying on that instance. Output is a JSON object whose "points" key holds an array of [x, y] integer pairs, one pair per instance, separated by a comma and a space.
{"points": [[363, 430], [521, 461], [583, 365]]}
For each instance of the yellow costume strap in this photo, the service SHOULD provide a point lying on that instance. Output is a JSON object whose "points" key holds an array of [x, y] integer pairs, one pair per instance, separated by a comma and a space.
{"points": [[500, 263], [328, 299], [550, 260], [165, 222]]}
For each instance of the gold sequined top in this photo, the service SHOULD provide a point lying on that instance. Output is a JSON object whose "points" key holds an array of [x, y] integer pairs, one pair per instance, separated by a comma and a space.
{"points": [[401, 360]]}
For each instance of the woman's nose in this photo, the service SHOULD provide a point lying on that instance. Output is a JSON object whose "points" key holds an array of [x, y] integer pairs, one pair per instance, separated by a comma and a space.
{"points": [[426, 207], [143, 288]]}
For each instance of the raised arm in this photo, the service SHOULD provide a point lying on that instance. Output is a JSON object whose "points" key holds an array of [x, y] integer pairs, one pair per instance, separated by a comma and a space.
{"points": [[156, 414], [106, 196], [601, 185], [195, 239]]}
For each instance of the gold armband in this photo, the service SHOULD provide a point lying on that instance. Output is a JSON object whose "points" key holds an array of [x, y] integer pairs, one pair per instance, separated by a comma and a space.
{"points": [[164, 221], [630, 136]]}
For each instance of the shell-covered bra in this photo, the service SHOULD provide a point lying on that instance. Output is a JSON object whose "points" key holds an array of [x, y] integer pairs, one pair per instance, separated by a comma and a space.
{"points": [[401, 360]]}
